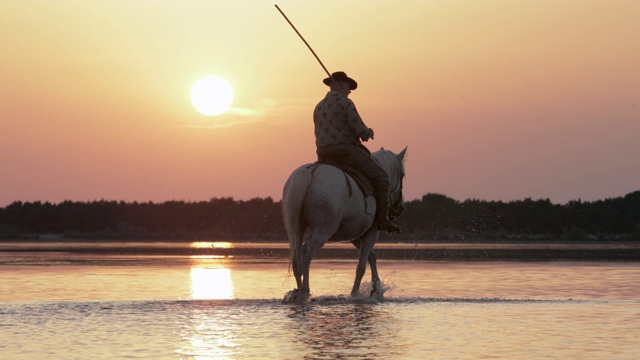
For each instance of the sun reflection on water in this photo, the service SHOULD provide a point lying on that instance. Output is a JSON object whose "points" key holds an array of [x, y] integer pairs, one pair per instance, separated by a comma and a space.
{"points": [[211, 245], [211, 283], [209, 333]]}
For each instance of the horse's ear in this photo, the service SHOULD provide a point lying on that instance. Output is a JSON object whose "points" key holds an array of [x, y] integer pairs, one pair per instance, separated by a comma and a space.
{"points": [[381, 148], [403, 153]]}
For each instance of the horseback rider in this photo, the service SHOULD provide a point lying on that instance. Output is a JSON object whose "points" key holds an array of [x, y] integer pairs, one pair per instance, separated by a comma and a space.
{"points": [[338, 131]]}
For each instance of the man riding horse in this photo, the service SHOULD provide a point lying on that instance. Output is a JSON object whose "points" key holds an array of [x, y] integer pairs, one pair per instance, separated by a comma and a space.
{"points": [[338, 131]]}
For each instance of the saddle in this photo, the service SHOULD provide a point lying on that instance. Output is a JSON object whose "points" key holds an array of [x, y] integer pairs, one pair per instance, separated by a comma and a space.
{"points": [[363, 182]]}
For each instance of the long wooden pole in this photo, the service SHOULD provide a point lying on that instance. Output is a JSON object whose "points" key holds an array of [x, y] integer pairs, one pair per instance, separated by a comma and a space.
{"points": [[305, 41]]}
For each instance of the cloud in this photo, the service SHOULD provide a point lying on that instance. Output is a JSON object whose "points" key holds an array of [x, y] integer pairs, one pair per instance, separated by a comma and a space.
{"points": [[266, 110]]}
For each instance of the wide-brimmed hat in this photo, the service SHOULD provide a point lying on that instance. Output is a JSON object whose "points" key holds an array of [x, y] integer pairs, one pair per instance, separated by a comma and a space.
{"points": [[341, 76]]}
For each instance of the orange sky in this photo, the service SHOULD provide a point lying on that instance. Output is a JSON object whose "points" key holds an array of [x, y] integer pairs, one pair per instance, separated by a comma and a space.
{"points": [[496, 100]]}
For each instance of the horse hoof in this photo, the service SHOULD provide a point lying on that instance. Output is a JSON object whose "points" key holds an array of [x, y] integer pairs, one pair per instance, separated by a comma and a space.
{"points": [[296, 296], [377, 291]]}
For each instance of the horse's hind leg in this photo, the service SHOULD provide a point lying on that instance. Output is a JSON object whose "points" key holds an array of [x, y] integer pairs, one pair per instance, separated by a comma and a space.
{"points": [[309, 248], [296, 262], [297, 295], [296, 273]]}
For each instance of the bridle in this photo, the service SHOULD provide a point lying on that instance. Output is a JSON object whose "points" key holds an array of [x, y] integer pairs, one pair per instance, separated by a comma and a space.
{"points": [[397, 203]]}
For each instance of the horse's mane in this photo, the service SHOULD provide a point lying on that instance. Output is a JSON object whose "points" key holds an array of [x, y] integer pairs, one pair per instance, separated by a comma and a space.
{"points": [[389, 160]]}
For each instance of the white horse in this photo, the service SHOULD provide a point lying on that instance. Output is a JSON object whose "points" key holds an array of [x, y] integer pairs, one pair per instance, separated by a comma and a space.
{"points": [[330, 205]]}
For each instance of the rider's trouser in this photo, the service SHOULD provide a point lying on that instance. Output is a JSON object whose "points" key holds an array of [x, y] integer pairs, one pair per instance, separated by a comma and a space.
{"points": [[360, 158]]}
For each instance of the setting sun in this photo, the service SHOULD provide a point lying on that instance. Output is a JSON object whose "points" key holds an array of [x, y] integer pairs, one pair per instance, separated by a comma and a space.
{"points": [[211, 95]]}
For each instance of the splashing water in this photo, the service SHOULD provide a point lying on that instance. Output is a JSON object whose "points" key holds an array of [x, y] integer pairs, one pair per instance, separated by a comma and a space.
{"points": [[368, 293], [370, 290]]}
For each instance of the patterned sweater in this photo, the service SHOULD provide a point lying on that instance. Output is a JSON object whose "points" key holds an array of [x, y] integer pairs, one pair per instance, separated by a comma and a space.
{"points": [[337, 121]]}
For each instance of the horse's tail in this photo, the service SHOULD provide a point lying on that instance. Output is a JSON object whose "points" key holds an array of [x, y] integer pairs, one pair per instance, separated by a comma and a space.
{"points": [[293, 197]]}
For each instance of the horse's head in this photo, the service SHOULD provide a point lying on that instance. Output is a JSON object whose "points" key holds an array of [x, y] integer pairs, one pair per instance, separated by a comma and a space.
{"points": [[393, 164]]}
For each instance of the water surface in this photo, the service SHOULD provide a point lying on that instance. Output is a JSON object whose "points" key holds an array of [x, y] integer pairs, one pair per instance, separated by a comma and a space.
{"points": [[66, 305]]}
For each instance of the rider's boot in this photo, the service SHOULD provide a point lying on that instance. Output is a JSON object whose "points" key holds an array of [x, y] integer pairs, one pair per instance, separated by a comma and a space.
{"points": [[382, 212]]}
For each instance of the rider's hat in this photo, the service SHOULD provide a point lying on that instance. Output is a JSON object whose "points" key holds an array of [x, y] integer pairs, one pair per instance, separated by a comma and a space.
{"points": [[341, 76]]}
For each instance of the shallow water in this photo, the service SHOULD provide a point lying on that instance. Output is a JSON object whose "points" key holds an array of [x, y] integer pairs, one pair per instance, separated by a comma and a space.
{"points": [[62, 305]]}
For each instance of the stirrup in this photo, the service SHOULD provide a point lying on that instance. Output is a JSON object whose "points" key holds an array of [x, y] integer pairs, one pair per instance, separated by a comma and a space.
{"points": [[389, 225]]}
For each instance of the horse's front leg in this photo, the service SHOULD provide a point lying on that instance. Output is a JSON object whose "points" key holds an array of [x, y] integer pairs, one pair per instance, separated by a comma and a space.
{"points": [[365, 245], [375, 279]]}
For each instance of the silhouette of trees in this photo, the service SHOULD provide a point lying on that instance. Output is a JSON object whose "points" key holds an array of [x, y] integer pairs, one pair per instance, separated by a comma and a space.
{"points": [[435, 217], [438, 217], [218, 218]]}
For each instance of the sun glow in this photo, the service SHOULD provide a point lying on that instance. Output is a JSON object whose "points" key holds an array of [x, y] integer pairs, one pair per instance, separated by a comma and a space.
{"points": [[211, 95]]}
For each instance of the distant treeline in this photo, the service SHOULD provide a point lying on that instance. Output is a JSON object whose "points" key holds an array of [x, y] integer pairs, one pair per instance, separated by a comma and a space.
{"points": [[435, 217]]}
